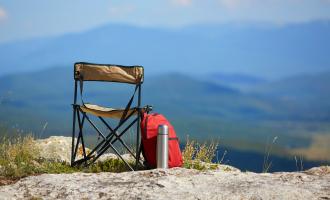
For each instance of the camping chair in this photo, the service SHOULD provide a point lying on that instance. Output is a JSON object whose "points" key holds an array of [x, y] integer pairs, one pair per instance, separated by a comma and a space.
{"points": [[107, 73]]}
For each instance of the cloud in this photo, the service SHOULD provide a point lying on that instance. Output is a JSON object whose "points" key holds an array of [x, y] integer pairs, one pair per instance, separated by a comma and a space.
{"points": [[244, 4], [239, 4], [231, 4], [183, 3], [3, 14], [121, 10], [274, 11]]}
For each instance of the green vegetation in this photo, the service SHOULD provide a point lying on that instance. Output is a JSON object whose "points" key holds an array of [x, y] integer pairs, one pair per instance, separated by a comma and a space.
{"points": [[19, 157], [110, 165]]}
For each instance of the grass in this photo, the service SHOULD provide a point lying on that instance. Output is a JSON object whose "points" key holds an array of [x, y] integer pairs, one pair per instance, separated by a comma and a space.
{"points": [[18, 157], [300, 166], [268, 150], [199, 156]]}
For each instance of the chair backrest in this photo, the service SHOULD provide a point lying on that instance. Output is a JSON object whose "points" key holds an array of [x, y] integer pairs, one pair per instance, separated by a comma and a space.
{"points": [[109, 73]]}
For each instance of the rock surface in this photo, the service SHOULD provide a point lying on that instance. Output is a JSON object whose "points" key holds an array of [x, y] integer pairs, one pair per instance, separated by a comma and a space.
{"points": [[224, 183], [58, 148], [177, 183]]}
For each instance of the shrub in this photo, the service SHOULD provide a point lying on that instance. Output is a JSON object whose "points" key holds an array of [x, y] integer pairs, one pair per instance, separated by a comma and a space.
{"points": [[199, 156]]}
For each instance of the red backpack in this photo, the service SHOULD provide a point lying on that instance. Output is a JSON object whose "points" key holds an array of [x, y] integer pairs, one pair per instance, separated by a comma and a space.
{"points": [[149, 131]]}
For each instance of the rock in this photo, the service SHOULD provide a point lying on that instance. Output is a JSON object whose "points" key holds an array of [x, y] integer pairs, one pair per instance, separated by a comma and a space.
{"points": [[227, 168], [107, 156], [214, 166], [176, 183], [319, 171], [58, 148]]}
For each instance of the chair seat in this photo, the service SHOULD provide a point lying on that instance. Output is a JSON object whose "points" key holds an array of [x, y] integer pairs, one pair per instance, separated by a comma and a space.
{"points": [[106, 112]]}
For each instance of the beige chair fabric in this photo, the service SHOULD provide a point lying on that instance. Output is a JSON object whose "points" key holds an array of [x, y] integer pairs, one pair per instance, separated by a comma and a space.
{"points": [[111, 73], [106, 112]]}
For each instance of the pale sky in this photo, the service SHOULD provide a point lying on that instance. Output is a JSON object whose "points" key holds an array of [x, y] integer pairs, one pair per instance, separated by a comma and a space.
{"points": [[23, 19]]}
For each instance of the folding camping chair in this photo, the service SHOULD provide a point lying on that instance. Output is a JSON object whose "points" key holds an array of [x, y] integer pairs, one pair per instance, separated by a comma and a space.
{"points": [[106, 73]]}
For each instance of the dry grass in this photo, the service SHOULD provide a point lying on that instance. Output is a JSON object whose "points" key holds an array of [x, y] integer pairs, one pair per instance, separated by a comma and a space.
{"points": [[18, 156], [267, 164], [199, 156]]}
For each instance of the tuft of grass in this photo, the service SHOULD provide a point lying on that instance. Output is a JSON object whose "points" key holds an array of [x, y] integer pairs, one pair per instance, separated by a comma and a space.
{"points": [[199, 156], [268, 149], [301, 165], [18, 156]]}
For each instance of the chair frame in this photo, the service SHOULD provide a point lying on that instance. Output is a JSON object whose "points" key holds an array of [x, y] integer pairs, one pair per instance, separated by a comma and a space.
{"points": [[79, 117]]}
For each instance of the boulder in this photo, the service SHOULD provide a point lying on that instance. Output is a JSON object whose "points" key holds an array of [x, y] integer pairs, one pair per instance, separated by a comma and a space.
{"points": [[58, 148]]}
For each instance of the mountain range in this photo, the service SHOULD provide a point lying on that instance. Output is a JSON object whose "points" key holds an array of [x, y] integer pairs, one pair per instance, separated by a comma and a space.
{"points": [[266, 52]]}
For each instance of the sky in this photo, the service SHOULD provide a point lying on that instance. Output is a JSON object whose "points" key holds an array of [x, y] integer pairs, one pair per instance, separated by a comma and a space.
{"points": [[22, 19]]}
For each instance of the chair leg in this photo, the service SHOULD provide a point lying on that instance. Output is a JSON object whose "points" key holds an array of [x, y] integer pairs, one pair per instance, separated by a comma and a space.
{"points": [[79, 138], [137, 142], [138, 128], [73, 135], [76, 148], [81, 124]]}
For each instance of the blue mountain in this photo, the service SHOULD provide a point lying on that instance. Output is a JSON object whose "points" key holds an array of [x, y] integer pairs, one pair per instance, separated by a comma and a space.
{"points": [[267, 52]]}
